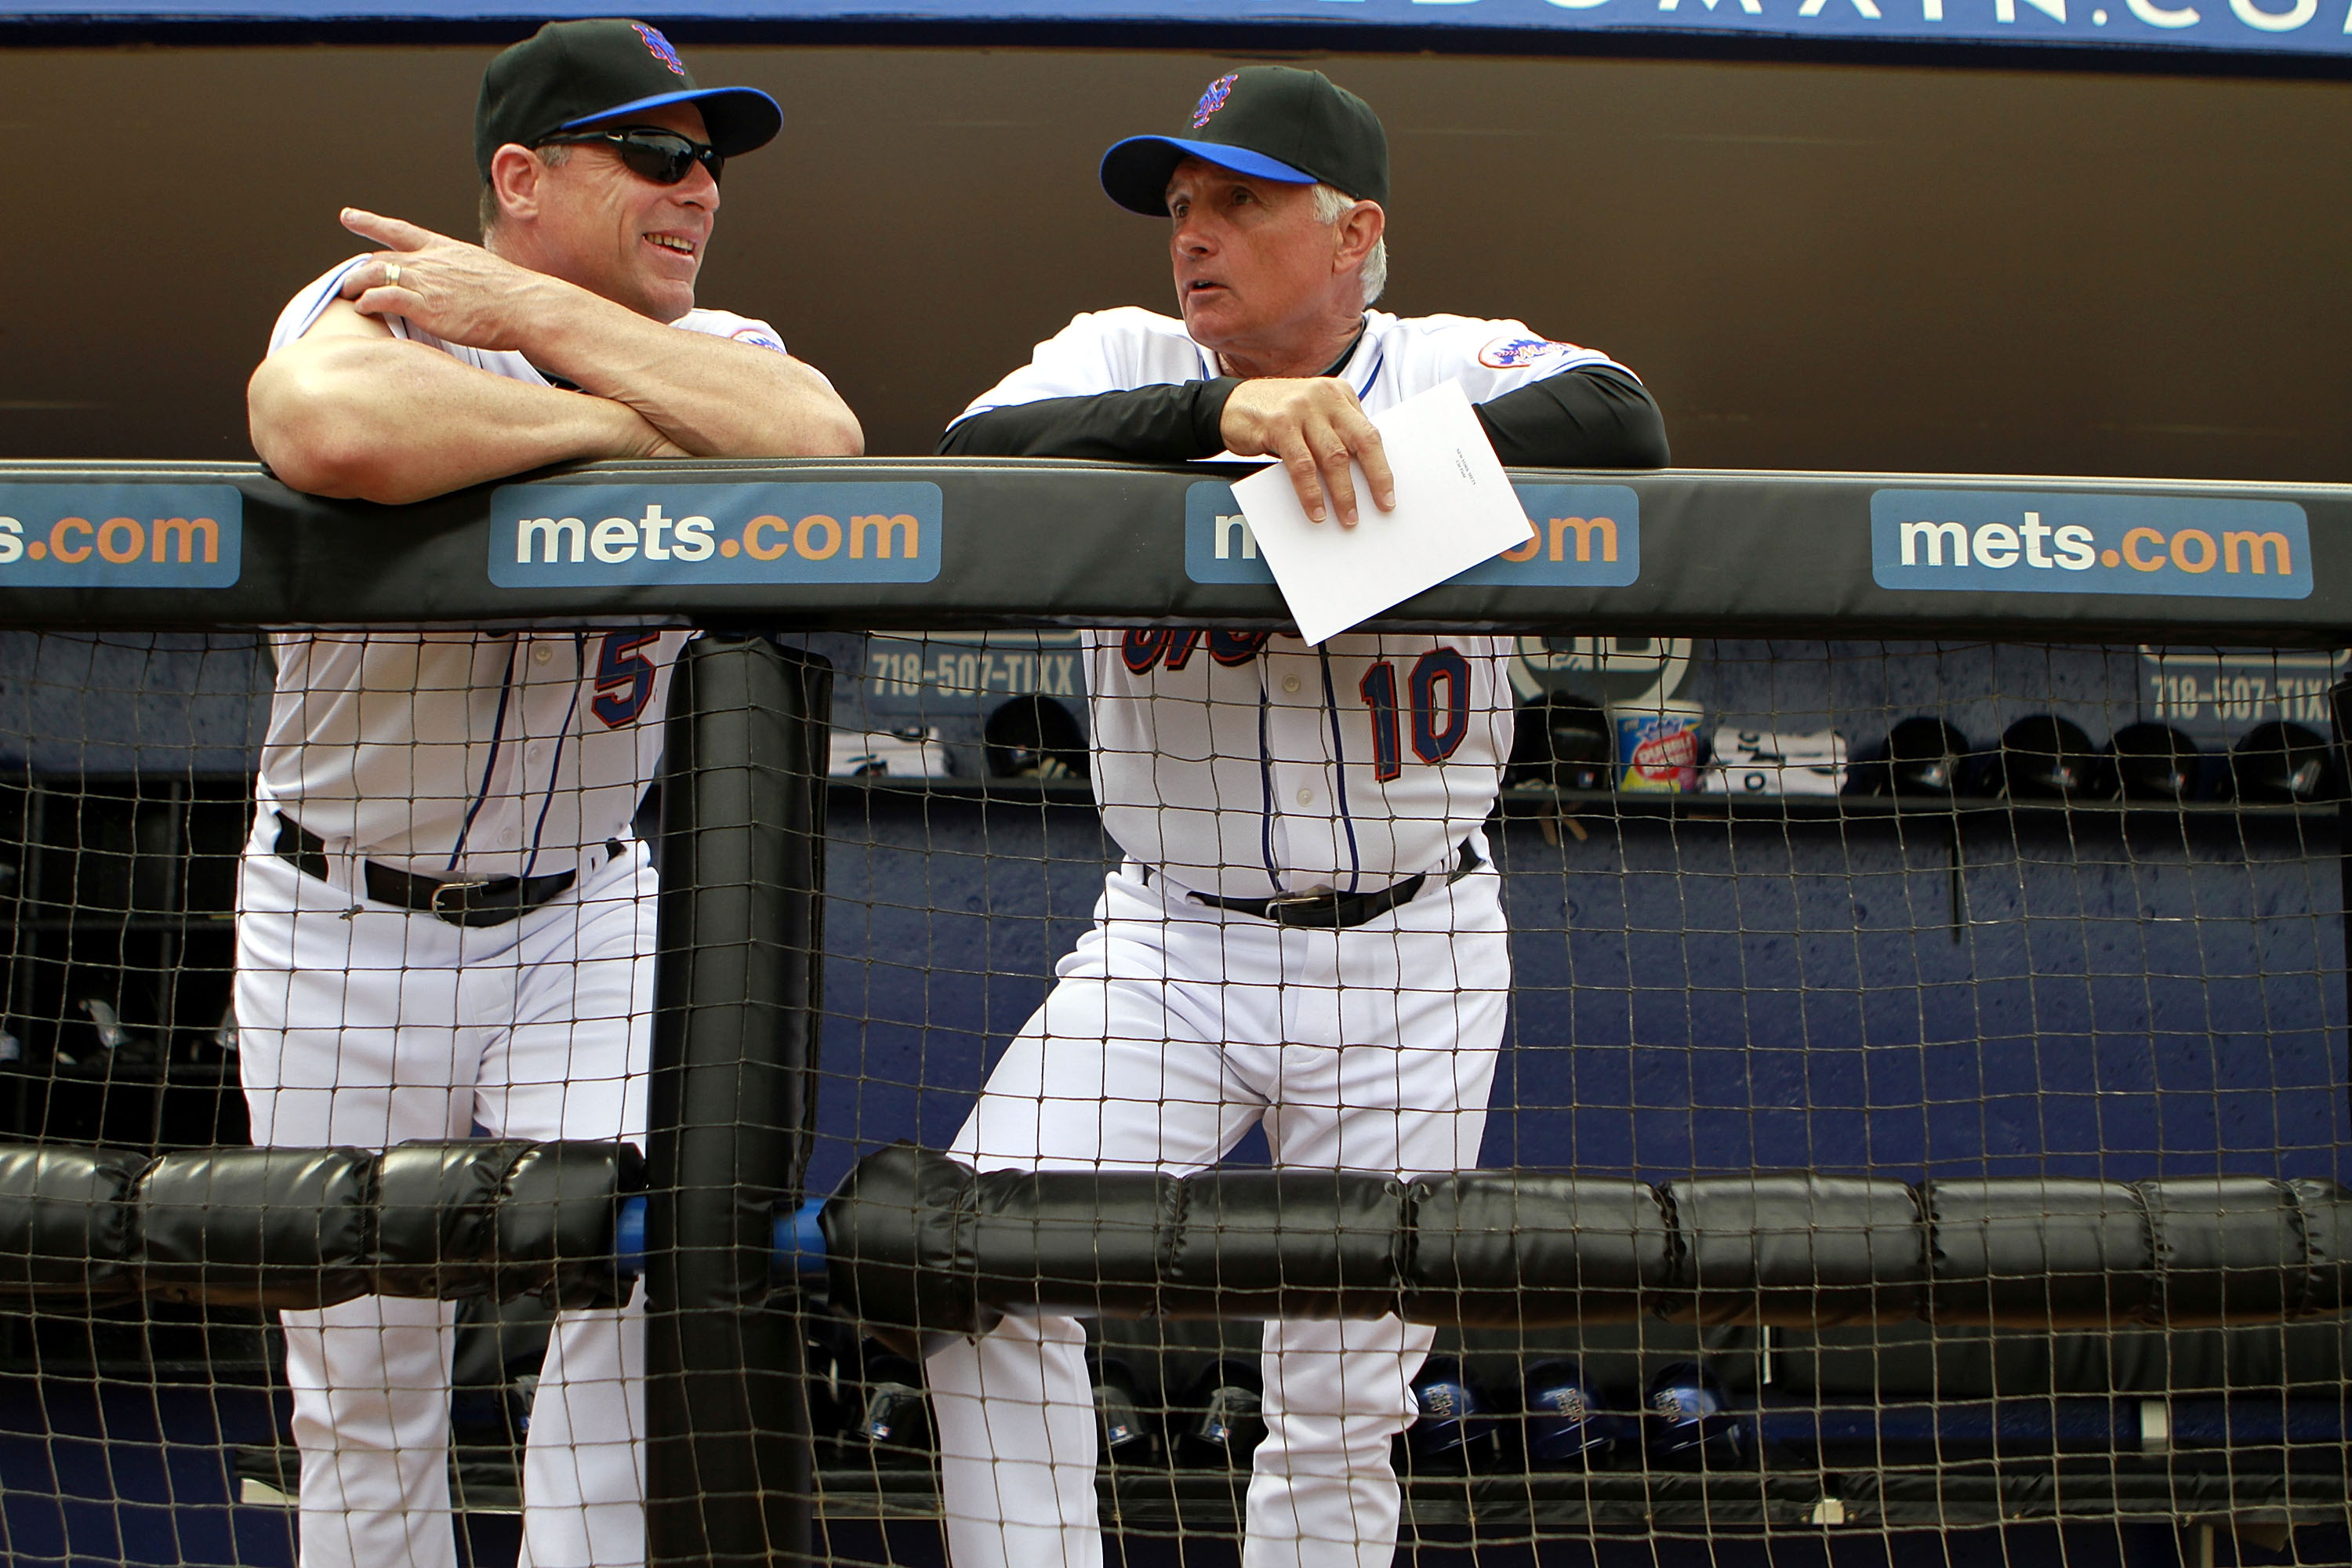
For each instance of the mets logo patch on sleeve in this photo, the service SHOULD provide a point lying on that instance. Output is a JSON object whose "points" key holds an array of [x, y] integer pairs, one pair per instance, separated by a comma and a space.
{"points": [[1510, 353], [758, 339]]}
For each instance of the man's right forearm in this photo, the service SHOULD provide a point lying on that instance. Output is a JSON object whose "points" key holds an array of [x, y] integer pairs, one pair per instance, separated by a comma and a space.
{"points": [[384, 420], [1172, 424]]}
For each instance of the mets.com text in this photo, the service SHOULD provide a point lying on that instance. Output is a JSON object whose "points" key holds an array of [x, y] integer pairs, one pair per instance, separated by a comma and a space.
{"points": [[574, 535], [2084, 542]]}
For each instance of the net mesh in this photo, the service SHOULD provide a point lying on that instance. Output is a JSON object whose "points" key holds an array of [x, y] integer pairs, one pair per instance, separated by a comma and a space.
{"points": [[1791, 943]]}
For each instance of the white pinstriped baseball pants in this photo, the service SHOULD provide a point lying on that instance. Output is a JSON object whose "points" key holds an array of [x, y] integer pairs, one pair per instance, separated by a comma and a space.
{"points": [[377, 1026], [1171, 1029]]}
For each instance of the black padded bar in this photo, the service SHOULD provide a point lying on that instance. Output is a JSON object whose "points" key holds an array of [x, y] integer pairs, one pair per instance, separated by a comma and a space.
{"points": [[736, 1001], [1806, 1250], [310, 1227], [1045, 541], [919, 1242]]}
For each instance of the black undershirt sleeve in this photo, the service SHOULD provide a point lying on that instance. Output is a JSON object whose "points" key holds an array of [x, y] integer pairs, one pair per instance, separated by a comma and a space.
{"points": [[1597, 417], [1149, 424]]}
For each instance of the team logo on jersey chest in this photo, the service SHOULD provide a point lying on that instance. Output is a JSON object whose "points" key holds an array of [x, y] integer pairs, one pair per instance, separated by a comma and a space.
{"points": [[1213, 100]]}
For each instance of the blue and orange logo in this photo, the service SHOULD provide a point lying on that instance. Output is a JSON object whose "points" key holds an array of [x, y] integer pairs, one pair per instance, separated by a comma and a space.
{"points": [[1213, 100], [1509, 353], [1584, 536], [659, 47], [120, 536], [595, 535], [2078, 542]]}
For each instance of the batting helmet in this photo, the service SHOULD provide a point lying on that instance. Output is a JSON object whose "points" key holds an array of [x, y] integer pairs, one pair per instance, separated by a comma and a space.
{"points": [[1924, 756], [2283, 765], [1124, 1433], [2044, 757], [1034, 737], [1563, 741], [1454, 1431], [1689, 1420], [2155, 761], [1564, 1423], [1229, 1421]]}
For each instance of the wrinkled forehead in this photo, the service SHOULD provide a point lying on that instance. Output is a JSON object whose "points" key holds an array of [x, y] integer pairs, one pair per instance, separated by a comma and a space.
{"points": [[1193, 175]]}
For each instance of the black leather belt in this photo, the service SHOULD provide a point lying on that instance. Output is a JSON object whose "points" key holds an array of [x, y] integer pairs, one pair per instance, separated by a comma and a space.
{"points": [[461, 903], [1337, 911]]}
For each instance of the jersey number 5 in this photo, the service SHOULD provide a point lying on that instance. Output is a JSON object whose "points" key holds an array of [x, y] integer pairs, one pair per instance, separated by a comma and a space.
{"points": [[624, 676], [1439, 724]]}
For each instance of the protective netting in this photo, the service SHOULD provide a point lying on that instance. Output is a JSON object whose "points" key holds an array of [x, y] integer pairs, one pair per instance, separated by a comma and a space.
{"points": [[2112, 947], [1786, 944]]}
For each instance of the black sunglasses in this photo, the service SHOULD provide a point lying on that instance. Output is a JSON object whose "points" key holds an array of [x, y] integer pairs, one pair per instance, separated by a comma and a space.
{"points": [[664, 157]]}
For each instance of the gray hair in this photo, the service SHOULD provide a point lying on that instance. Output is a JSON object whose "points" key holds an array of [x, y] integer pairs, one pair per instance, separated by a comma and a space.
{"points": [[553, 157], [1328, 205]]}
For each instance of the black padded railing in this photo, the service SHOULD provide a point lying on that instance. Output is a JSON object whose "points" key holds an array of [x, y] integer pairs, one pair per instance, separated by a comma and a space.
{"points": [[308, 1227], [915, 1240], [1696, 552]]}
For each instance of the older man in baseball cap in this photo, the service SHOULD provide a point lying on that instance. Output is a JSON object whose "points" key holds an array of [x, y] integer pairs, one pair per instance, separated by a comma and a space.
{"points": [[1307, 933], [444, 920]]}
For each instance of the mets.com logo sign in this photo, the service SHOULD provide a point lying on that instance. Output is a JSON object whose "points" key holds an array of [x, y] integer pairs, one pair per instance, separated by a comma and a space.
{"points": [[1585, 536], [574, 536], [2056, 543], [120, 536]]}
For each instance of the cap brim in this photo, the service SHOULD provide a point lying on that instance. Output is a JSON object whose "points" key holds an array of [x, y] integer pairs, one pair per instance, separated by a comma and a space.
{"points": [[1135, 173], [740, 119]]}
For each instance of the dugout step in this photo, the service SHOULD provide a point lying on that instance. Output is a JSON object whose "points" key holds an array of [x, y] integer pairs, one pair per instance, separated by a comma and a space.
{"points": [[1523, 800], [1504, 1505]]}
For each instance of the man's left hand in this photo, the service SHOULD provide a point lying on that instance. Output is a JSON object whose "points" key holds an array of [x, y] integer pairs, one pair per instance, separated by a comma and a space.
{"points": [[1316, 426]]}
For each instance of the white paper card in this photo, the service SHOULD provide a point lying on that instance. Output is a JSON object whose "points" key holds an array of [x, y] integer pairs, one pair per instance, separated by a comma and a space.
{"points": [[1454, 509]]}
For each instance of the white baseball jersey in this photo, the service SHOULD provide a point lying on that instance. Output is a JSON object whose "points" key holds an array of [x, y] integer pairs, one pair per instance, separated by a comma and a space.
{"points": [[1245, 764], [461, 753]]}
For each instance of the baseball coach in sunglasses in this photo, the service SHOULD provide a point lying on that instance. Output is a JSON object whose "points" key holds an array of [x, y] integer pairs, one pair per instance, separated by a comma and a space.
{"points": [[431, 364], [443, 920]]}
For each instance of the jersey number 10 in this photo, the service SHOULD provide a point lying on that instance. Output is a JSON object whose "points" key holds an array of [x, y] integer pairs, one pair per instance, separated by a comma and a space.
{"points": [[1440, 723]]}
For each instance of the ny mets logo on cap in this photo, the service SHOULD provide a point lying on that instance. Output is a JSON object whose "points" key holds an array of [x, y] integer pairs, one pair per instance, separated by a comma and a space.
{"points": [[1213, 100], [660, 46]]}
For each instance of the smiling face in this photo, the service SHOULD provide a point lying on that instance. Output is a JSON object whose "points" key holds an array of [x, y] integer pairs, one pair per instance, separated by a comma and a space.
{"points": [[1260, 280], [593, 222]]}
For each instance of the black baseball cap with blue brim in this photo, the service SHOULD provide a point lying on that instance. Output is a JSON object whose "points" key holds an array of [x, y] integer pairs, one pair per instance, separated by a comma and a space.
{"points": [[569, 75], [1271, 123]]}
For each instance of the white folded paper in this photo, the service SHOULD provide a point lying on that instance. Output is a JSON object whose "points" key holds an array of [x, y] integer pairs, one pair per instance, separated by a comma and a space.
{"points": [[1454, 509]]}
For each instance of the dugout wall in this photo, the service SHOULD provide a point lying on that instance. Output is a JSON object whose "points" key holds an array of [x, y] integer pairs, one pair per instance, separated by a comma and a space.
{"points": [[2036, 264], [1708, 984]]}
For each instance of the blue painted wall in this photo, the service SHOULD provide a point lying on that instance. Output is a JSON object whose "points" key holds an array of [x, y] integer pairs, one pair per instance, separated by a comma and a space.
{"points": [[2117, 997]]}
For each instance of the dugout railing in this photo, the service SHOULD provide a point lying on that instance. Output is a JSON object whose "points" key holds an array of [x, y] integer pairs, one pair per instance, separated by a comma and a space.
{"points": [[825, 550]]}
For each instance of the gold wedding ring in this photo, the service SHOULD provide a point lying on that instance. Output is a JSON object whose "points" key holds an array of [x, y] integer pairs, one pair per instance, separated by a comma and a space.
{"points": [[392, 274]]}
